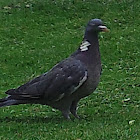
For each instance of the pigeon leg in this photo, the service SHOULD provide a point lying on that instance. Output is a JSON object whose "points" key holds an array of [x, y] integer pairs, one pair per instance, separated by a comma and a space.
{"points": [[73, 109], [66, 114]]}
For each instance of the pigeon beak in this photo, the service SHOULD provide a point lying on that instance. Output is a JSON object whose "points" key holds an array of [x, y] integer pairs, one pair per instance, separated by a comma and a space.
{"points": [[103, 28]]}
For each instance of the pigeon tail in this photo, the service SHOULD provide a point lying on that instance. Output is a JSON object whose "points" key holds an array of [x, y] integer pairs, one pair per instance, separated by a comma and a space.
{"points": [[7, 102]]}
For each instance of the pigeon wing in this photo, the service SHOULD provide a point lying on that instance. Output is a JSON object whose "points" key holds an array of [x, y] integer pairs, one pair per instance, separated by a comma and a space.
{"points": [[66, 79], [62, 80]]}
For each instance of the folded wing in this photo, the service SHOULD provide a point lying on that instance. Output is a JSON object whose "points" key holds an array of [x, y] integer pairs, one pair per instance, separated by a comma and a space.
{"points": [[62, 80]]}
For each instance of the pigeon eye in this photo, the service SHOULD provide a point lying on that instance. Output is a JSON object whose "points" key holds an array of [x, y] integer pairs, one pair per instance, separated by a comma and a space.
{"points": [[92, 24]]}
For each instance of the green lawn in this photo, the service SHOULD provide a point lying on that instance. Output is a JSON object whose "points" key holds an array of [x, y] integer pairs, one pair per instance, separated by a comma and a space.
{"points": [[36, 34]]}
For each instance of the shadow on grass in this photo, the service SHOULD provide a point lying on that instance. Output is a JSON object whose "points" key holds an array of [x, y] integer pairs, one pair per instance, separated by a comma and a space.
{"points": [[32, 119], [41, 119]]}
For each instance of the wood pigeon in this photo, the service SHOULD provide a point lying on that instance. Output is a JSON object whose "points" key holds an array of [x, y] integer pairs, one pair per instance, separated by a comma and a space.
{"points": [[67, 82]]}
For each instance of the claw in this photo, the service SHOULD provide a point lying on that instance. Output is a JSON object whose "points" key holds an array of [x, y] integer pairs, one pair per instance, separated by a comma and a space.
{"points": [[66, 115], [73, 109]]}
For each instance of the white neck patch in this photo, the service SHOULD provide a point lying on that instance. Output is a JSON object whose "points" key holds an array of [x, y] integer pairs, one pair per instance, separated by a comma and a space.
{"points": [[84, 46]]}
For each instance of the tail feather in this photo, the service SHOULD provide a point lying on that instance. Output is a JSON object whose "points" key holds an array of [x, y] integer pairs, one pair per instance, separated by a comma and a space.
{"points": [[7, 102]]}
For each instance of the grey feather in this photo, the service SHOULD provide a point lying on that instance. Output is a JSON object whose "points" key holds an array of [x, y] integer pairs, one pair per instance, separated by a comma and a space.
{"points": [[67, 82]]}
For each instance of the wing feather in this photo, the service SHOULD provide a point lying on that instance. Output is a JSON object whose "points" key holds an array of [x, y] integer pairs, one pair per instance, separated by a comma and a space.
{"points": [[62, 80]]}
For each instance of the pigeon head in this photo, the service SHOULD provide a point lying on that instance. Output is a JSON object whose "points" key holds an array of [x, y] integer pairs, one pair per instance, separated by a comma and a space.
{"points": [[96, 25]]}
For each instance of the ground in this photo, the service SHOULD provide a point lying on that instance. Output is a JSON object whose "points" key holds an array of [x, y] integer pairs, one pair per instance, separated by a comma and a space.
{"points": [[36, 34]]}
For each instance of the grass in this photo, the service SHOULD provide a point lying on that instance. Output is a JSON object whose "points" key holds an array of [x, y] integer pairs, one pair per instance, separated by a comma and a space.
{"points": [[36, 34]]}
